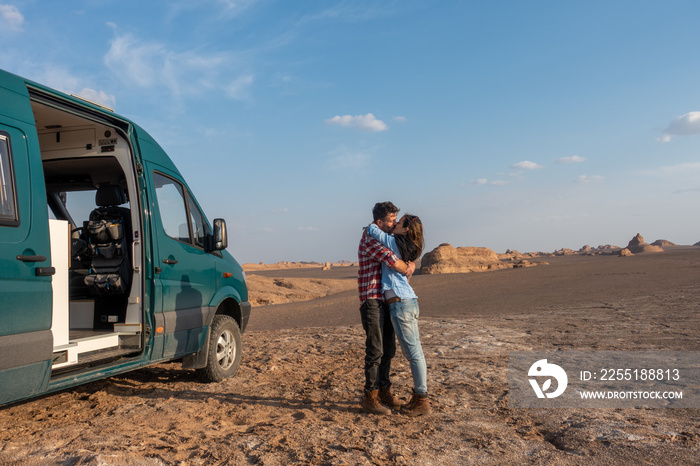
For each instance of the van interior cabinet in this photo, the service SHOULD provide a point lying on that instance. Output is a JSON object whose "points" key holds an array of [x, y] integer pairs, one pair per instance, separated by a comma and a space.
{"points": [[59, 233]]}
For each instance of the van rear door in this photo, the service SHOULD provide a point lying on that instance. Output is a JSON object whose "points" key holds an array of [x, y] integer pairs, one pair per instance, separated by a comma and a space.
{"points": [[26, 342]]}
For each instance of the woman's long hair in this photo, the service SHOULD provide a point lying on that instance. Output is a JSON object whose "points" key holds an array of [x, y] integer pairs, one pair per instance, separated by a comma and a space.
{"points": [[411, 244]]}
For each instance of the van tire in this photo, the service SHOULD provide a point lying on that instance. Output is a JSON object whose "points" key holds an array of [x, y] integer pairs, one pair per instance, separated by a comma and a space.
{"points": [[224, 356]]}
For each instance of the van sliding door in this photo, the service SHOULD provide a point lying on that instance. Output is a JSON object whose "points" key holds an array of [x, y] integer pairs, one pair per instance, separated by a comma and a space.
{"points": [[26, 342]]}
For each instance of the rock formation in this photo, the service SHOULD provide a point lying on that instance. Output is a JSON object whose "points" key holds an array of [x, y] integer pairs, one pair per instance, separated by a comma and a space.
{"points": [[606, 249], [448, 259], [637, 245], [588, 250], [513, 255], [297, 265], [662, 243]]}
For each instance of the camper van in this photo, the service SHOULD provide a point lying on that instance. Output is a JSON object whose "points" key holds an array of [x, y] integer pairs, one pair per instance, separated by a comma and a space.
{"points": [[107, 261]]}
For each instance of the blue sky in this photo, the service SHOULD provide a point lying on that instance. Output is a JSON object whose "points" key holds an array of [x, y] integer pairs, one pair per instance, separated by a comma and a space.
{"points": [[524, 125]]}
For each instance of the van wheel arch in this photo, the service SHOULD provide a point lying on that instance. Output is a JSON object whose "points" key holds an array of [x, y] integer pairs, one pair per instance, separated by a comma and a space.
{"points": [[230, 307], [224, 349]]}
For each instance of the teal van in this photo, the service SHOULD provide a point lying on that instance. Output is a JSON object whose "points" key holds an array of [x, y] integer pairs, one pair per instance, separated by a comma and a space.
{"points": [[107, 262]]}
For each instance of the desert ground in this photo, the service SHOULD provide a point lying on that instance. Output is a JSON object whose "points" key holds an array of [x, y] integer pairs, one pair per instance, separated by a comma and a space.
{"points": [[296, 397]]}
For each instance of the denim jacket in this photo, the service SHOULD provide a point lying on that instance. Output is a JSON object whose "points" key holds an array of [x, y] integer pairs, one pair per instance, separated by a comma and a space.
{"points": [[391, 279]]}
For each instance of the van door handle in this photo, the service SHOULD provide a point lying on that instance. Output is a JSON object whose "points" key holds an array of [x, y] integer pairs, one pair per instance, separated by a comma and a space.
{"points": [[170, 261], [24, 258]]}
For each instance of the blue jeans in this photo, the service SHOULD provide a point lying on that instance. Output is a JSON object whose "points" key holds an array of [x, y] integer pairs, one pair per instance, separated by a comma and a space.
{"points": [[404, 316]]}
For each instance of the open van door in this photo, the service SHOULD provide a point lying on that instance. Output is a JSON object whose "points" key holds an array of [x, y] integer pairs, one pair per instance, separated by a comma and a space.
{"points": [[185, 271], [26, 341]]}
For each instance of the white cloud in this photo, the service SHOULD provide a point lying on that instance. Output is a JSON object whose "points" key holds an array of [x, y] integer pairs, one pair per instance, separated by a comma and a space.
{"points": [[59, 78], [590, 179], [152, 65], [400, 118], [101, 97], [684, 125], [139, 62], [351, 12], [572, 159], [484, 181], [526, 165], [499, 183], [12, 19], [364, 122], [238, 89], [307, 229], [62, 79]]}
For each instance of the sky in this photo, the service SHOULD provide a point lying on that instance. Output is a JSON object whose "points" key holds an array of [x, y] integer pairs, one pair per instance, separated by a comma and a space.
{"points": [[530, 126]]}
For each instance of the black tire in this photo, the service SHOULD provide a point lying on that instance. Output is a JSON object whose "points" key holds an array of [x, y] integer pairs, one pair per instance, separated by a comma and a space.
{"points": [[224, 356]]}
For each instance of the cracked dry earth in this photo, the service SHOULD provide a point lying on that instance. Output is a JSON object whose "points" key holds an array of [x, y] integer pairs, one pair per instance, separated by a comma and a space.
{"points": [[296, 400]]}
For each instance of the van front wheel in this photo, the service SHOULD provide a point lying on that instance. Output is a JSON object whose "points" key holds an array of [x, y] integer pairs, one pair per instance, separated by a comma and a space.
{"points": [[224, 350]]}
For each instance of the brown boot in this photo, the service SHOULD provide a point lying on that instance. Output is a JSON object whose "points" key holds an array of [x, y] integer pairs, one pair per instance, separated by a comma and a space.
{"points": [[386, 397], [371, 403], [419, 405]]}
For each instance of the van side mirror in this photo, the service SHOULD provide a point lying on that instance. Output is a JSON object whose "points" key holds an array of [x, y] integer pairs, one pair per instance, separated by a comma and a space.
{"points": [[220, 235]]}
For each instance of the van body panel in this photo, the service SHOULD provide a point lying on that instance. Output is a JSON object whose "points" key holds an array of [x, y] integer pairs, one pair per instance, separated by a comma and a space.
{"points": [[58, 149], [151, 151], [25, 282], [25, 249], [24, 382], [15, 99], [68, 380], [26, 373], [224, 293], [186, 270]]}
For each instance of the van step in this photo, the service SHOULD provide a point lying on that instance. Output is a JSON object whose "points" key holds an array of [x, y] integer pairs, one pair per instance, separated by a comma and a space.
{"points": [[94, 358], [91, 346]]}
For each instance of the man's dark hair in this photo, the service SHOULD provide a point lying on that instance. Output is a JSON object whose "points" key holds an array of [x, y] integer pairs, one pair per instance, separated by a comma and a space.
{"points": [[382, 209]]}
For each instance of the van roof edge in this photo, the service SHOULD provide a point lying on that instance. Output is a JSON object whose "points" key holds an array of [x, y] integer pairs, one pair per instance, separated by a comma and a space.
{"points": [[97, 104]]}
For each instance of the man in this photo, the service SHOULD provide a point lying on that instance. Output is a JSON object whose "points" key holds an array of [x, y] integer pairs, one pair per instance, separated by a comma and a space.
{"points": [[380, 344]]}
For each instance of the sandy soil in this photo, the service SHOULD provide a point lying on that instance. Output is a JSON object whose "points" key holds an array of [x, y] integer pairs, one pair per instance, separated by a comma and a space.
{"points": [[296, 397], [264, 291]]}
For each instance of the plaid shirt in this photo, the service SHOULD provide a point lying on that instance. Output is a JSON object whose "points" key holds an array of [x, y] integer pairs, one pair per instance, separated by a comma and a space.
{"points": [[369, 277]]}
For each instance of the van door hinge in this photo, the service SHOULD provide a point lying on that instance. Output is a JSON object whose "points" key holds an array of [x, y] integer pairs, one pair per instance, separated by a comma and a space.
{"points": [[139, 168]]}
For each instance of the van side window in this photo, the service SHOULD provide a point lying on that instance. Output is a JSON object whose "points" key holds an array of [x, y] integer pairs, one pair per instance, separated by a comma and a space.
{"points": [[197, 221], [171, 204], [8, 198], [179, 213]]}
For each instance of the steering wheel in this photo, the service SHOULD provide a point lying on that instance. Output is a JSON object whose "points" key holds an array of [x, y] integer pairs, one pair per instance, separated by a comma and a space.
{"points": [[77, 244]]}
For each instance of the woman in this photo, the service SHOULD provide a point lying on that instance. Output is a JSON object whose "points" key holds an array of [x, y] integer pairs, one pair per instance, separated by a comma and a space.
{"points": [[407, 244]]}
